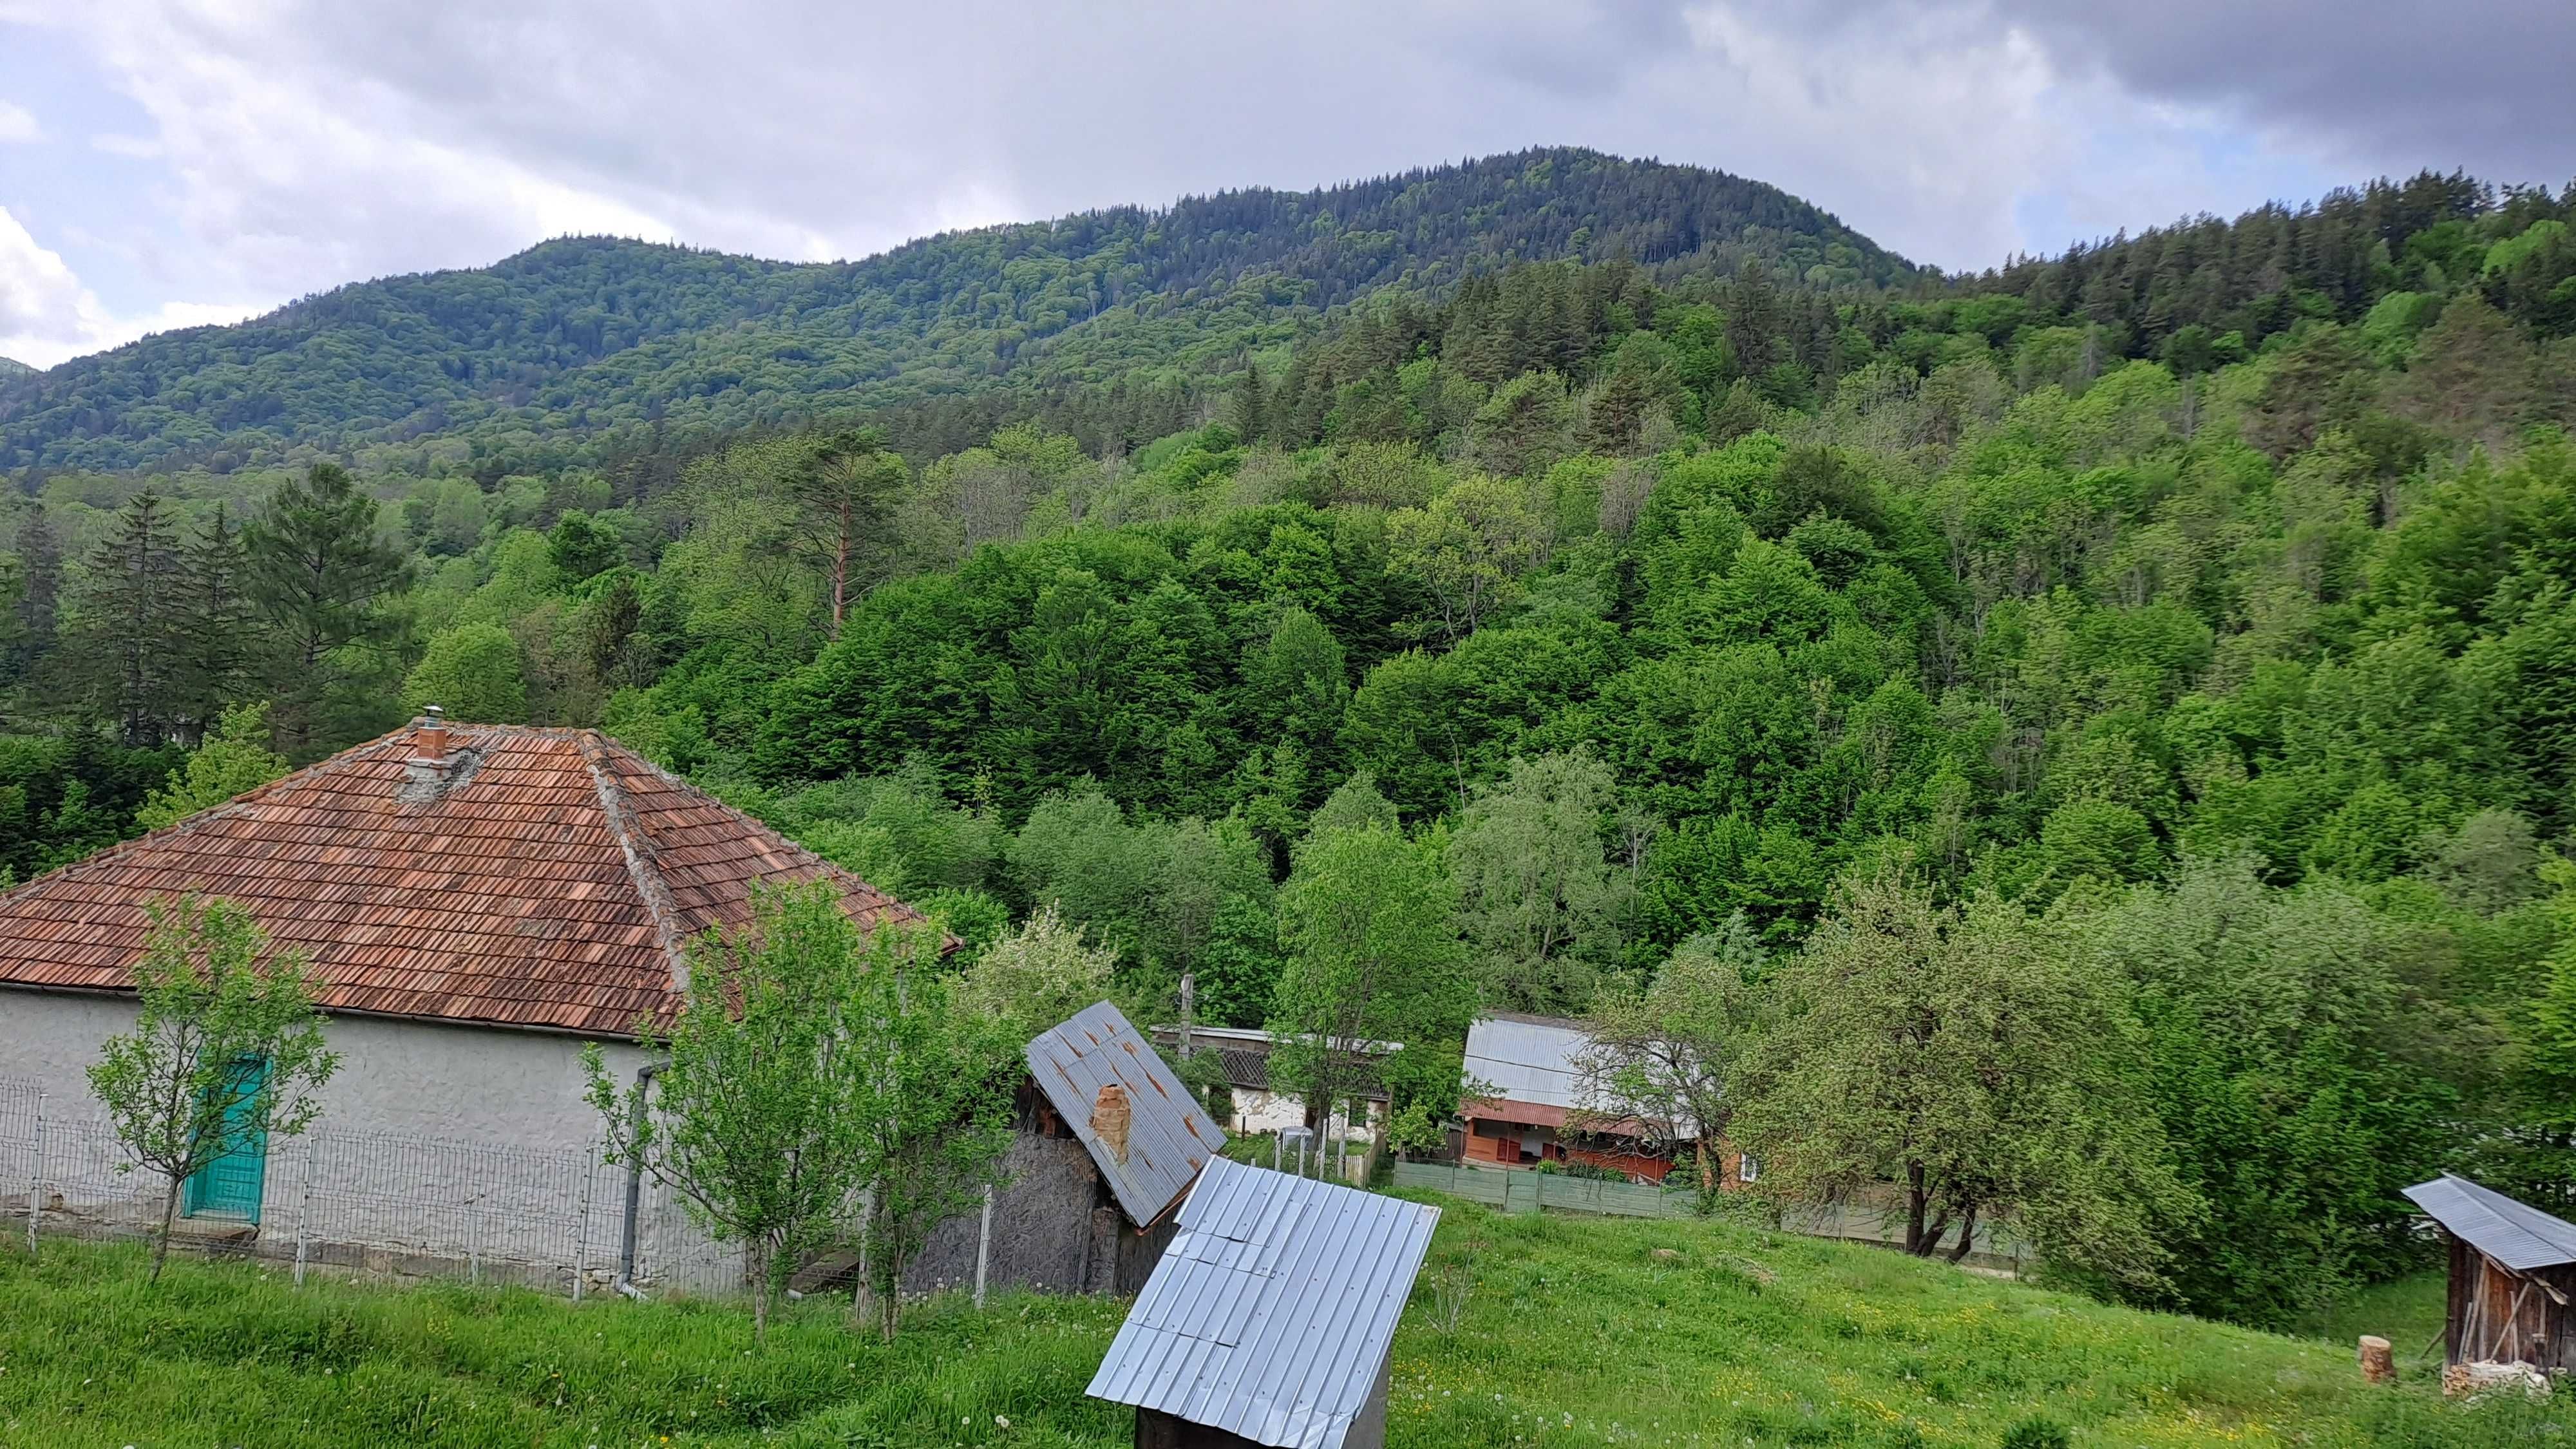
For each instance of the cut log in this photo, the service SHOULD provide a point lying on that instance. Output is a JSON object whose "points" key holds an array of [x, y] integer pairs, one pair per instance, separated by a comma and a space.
{"points": [[2378, 1360]]}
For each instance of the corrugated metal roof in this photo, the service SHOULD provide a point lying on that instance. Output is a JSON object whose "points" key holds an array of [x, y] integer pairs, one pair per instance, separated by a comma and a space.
{"points": [[1168, 1137], [1273, 1310], [2518, 1235], [1527, 1058]]}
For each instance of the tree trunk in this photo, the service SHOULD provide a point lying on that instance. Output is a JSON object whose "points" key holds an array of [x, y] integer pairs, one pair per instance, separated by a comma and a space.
{"points": [[1914, 1205], [890, 1302], [841, 571], [760, 1295], [1967, 1234], [169, 1214]]}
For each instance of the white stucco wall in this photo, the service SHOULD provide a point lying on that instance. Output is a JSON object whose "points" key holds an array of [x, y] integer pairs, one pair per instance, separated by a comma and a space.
{"points": [[433, 1141], [1258, 1110]]}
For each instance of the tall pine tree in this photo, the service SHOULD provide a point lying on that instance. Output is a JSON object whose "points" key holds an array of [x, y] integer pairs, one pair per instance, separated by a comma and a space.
{"points": [[317, 576], [129, 623], [212, 656], [39, 602]]}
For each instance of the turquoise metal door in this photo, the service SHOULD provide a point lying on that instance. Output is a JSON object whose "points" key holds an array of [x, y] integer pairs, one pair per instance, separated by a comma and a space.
{"points": [[232, 1184]]}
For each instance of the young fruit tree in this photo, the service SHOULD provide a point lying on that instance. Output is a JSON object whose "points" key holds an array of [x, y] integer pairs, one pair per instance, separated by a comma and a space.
{"points": [[1660, 1055], [1373, 956], [1975, 1059], [934, 1115], [226, 1050], [756, 1115]]}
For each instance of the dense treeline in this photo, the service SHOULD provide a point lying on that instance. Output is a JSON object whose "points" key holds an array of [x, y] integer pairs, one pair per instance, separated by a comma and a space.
{"points": [[529, 357], [2142, 713]]}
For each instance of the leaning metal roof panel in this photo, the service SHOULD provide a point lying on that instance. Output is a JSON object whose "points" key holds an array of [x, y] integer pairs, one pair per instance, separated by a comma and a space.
{"points": [[2518, 1235], [1272, 1312], [1168, 1137]]}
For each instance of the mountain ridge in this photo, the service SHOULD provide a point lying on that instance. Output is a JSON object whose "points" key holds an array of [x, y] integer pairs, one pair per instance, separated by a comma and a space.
{"points": [[585, 333]]}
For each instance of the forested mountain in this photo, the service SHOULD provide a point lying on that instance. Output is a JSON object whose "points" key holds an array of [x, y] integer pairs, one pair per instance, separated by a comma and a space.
{"points": [[591, 333], [2125, 698], [11, 367]]}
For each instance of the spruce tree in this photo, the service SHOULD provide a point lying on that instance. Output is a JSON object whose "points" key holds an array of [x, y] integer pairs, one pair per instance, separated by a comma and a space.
{"points": [[129, 627], [39, 602], [317, 575], [211, 659]]}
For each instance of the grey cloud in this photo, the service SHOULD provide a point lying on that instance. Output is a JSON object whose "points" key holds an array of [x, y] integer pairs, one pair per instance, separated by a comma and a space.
{"points": [[2388, 86], [304, 143]]}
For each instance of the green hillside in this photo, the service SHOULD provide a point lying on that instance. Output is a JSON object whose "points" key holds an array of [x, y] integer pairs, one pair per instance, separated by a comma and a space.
{"points": [[1568, 1334], [2172, 640], [11, 367], [586, 333]]}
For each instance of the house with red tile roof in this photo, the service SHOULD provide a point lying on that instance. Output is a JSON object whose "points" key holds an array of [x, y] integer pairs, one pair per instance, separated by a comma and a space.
{"points": [[479, 903]]}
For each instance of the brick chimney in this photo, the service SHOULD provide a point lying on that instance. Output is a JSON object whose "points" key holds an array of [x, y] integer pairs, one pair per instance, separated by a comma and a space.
{"points": [[434, 768], [429, 736], [1110, 1116]]}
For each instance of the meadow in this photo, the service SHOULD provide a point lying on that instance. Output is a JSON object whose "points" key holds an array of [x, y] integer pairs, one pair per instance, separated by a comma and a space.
{"points": [[1524, 1331]]}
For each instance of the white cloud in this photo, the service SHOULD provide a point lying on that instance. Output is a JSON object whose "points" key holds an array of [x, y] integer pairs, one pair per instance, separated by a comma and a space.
{"points": [[17, 124], [47, 316]]}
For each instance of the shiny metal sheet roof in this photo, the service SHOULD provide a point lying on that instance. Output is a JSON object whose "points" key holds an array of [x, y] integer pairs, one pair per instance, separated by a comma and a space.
{"points": [[1169, 1138], [2516, 1234], [1272, 1312], [1528, 1058]]}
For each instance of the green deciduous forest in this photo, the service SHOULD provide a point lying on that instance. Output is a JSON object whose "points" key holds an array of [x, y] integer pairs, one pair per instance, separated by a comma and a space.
{"points": [[2137, 685]]}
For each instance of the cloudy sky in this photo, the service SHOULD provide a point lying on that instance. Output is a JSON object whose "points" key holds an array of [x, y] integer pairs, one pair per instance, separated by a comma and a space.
{"points": [[170, 162]]}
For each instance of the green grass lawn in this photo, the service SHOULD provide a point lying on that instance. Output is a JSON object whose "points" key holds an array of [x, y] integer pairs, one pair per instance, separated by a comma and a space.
{"points": [[2407, 1312], [1573, 1332]]}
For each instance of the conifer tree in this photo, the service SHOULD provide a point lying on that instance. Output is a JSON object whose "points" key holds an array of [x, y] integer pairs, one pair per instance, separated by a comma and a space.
{"points": [[129, 623], [210, 660], [317, 576], [39, 602]]}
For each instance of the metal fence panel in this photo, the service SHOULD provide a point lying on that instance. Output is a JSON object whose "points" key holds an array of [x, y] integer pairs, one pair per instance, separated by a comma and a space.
{"points": [[383, 1204], [1526, 1191]]}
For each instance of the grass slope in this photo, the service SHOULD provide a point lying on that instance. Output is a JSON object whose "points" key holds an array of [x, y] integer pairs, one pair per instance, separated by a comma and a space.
{"points": [[1574, 1334]]}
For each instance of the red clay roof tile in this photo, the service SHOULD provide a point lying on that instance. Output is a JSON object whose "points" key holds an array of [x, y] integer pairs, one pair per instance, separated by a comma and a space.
{"points": [[554, 886]]}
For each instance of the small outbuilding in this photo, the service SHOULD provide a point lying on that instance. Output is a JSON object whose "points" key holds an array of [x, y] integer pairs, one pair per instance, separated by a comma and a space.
{"points": [[1271, 1318], [1257, 1104], [2513, 1276], [1109, 1140]]}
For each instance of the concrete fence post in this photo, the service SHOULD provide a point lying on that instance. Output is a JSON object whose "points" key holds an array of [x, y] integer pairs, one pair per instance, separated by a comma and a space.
{"points": [[36, 1179], [304, 1213], [581, 1229], [983, 1247]]}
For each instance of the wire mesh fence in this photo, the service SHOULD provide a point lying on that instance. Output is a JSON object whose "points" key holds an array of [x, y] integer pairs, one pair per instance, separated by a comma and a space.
{"points": [[376, 1203]]}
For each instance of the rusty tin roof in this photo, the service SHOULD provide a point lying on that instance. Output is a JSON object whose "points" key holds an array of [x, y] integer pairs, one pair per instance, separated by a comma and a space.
{"points": [[1168, 1137]]}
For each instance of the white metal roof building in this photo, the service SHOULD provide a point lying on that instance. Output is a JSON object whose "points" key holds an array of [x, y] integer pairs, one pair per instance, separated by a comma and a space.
{"points": [[1271, 1315], [1530, 1059]]}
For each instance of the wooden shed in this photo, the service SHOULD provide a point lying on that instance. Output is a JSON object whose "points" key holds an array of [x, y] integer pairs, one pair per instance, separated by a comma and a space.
{"points": [[2513, 1276]]}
